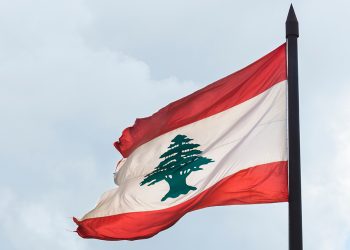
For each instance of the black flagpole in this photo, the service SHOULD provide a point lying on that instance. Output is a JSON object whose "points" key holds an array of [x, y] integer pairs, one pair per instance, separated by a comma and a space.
{"points": [[295, 213]]}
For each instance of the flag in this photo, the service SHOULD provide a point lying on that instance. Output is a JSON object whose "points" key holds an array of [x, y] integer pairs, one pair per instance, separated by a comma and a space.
{"points": [[225, 144]]}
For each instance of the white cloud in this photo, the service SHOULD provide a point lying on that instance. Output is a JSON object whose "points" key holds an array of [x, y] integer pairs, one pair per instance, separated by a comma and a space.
{"points": [[326, 176], [35, 224], [63, 103]]}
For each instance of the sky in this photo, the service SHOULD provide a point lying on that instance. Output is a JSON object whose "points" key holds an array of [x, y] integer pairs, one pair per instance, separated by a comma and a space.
{"points": [[75, 73]]}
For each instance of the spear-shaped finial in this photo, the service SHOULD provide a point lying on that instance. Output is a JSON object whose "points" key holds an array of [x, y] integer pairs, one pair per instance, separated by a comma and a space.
{"points": [[292, 26]]}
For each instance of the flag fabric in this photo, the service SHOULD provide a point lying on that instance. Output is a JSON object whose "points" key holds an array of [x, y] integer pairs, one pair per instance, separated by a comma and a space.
{"points": [[225, 144]]}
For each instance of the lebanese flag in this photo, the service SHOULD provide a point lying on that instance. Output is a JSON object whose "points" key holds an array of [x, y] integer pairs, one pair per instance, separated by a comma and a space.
{"points": [[225, 144]]}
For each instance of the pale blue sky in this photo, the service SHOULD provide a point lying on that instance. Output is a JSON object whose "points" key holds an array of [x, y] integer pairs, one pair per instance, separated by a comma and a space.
{"points": [[74, 73]]}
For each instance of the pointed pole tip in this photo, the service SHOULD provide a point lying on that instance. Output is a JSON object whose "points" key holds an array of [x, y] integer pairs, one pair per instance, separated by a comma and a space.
{"points": [[291, 10], [291, 14], [292, 26]]}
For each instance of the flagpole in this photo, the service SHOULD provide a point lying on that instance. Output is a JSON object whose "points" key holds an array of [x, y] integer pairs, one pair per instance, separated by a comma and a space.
{"points": [[295, 210]]}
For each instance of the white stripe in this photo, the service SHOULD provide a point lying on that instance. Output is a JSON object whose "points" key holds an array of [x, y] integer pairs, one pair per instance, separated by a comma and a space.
{"points": [[243, 136]]}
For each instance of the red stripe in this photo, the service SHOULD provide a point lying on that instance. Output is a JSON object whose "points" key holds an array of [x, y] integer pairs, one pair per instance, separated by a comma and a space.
{"points": [[265, 183], [214, 98]]}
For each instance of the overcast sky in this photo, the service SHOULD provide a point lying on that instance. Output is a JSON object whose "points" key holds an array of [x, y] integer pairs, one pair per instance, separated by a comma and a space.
{"points": [[75, 73]]}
